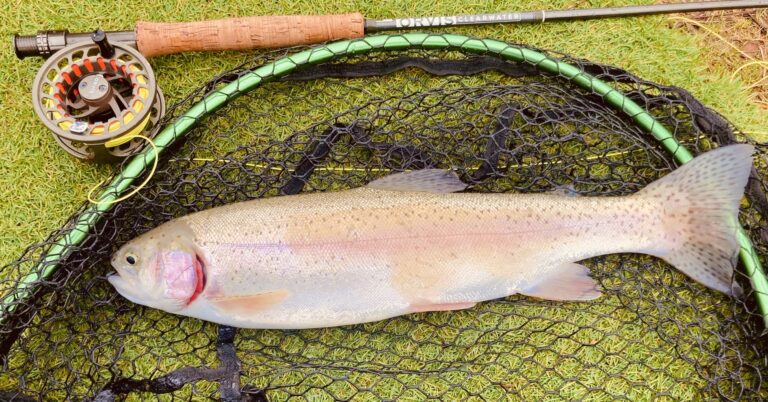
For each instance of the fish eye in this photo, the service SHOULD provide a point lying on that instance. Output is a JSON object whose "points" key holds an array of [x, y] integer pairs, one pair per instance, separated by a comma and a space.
{"points": [[130, 259]]}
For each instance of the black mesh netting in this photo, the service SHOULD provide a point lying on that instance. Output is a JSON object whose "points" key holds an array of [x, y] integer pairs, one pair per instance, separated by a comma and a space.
{"points": [[502, 126]]}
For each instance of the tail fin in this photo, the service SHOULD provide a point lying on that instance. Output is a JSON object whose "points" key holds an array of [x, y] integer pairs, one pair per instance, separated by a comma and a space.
{"points": [[700, 201]]}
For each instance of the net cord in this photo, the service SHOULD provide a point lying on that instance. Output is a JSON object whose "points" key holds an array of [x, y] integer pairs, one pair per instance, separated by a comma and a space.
{"points": [[220, 97]]}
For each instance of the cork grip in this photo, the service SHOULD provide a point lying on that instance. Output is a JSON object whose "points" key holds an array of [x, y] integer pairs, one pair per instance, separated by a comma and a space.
{"points": [[156, 39]]}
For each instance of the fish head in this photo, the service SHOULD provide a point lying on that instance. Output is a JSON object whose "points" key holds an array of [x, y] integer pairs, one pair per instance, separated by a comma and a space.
{"points": [[160, 269]]}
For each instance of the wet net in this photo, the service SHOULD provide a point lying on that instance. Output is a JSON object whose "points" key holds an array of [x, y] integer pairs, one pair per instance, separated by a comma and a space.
{"points": [[338, 123]]}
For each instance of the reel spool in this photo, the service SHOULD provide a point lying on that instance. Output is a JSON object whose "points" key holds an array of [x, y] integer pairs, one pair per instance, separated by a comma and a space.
{"points": [[96, 97]]}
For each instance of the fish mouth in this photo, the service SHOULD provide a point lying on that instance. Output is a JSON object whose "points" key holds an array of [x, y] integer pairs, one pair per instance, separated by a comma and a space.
{"points": [[123, 287]]}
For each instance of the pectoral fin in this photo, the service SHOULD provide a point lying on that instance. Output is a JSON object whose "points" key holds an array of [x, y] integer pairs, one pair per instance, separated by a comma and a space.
{"points": [[569, 281], [248, 304]]}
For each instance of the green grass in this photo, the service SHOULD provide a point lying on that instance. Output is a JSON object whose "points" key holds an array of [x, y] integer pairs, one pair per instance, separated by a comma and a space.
{"points": [[40, 185]]}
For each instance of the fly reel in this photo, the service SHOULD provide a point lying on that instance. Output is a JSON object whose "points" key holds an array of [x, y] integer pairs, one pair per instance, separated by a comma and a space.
{"points": [[96, 97]]}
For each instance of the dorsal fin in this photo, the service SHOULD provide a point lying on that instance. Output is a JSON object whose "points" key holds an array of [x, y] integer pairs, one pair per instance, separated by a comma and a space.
{"points": [[426, 180]]}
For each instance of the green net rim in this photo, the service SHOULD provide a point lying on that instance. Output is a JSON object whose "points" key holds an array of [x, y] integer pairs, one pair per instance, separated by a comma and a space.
{"points": [[249, 81]]}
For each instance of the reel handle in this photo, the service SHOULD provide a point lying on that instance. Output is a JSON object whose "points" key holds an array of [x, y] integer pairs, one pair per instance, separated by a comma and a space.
{"points": [[156, 39]]}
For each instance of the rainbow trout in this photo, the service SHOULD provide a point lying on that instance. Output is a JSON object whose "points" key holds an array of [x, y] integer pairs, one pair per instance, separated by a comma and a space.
{"points": [[410, 242]]}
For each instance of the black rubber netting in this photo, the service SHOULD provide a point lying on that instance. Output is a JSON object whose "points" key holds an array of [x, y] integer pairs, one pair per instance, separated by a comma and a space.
{"points": [[503, 127]]}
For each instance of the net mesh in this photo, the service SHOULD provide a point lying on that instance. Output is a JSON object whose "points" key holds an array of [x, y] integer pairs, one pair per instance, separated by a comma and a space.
{"points": [[503, 127]]}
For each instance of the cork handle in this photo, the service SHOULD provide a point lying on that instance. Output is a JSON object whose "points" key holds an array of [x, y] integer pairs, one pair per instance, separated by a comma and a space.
{"points": [[156, 39]]}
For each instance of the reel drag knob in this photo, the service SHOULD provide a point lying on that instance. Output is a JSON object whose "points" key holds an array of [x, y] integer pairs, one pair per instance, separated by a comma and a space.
{"points": [[95, 90], [96, 97]]}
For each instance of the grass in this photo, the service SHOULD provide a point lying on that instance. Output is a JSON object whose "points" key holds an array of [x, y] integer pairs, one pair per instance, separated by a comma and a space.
{"points": [[40, 185]]}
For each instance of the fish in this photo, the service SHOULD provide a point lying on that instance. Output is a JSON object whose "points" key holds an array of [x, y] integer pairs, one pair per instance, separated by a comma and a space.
{"points": [[418, 242]]}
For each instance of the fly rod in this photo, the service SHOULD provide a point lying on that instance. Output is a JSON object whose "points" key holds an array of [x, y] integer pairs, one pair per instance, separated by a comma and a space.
{"points": [[240, 33]]}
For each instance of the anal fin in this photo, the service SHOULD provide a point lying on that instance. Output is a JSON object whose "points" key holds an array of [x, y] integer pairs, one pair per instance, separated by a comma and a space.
{"points": [[248, 304], [570, 281], [426, 306]]}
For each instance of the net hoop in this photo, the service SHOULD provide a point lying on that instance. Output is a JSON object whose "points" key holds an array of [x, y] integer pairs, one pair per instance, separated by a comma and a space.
{"points": [[138, 164]]}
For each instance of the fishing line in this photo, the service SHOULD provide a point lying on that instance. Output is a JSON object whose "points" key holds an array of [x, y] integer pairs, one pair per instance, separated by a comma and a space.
{"points": [[137, 189], [752, 62], [713, 33]]}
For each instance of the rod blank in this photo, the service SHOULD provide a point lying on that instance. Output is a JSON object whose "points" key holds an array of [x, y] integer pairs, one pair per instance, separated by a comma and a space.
{"points": [[557, 15]]}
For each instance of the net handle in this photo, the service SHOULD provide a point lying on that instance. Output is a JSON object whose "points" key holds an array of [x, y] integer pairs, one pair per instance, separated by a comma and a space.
{"points": [[217, 99]]}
